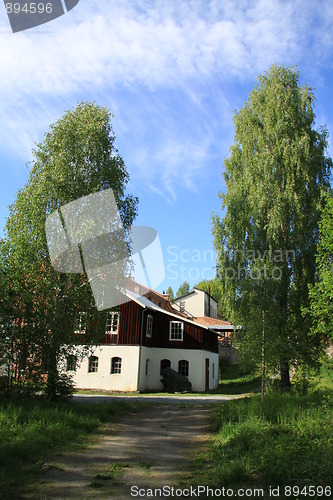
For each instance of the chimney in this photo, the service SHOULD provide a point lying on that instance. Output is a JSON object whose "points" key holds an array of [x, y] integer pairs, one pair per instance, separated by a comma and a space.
{"points": [[209, 301]]}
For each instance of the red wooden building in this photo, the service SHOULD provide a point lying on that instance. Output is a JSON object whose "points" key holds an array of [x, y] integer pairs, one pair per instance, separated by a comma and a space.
{"points": [[143, 336]]}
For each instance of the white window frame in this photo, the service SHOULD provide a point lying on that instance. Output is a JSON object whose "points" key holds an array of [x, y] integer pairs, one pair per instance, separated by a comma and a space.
{"points": [[81, 324], [187, 364], [149, 326], [110, 320], [116, 365], [172, 334], [93, 362], [182, 306]]}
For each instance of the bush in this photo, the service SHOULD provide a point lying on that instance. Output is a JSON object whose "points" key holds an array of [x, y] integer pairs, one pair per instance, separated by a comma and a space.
{"points": [[65, 386]]}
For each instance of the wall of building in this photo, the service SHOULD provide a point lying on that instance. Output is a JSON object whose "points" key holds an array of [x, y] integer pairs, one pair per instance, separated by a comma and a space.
{"points": [[194, 304], [198, 304], [194, 335], [126, 381], [197, 367], [210, 307]]}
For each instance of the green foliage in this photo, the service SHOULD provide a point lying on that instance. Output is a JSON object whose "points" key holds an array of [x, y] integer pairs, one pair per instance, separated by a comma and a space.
{"points": [[64, 386], [32, 431], [183, 289], [266, 241], [321, 293], [217, 293], [170, 293], [39, 305], [280, 443], [238, 379]]}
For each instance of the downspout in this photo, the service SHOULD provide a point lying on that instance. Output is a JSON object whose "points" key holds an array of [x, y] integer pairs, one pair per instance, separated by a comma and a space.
{"points": [[140, 345]]}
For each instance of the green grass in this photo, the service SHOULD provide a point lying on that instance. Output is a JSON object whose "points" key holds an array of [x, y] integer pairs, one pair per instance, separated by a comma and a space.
{"points": [[325, 379], [236, 380], [32, 431], [288, 441]]}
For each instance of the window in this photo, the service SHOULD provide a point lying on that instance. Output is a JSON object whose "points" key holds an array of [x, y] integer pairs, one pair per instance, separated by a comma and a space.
{"points": [[165, 363], [183, 367], [93, 364], [176, 330], [182, 306], [112, 322], [115, 365], [71, 363], [149, 328], [147, 366], [81, 324], [213, 370]]}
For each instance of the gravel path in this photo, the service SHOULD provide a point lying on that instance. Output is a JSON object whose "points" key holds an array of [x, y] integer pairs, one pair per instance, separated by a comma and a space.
{"points": [[149, 449]]}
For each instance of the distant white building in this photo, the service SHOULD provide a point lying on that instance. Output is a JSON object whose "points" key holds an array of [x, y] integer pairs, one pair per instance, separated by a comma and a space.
{"points": [[196, 304]]}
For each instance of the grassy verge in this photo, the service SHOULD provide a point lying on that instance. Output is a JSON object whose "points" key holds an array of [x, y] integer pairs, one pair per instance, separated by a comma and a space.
{"points": [[288, 441], [236, 380], [32, 431]]}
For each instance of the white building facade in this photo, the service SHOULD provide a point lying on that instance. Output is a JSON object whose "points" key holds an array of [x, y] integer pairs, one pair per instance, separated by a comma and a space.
{"points": [[146, 339]]}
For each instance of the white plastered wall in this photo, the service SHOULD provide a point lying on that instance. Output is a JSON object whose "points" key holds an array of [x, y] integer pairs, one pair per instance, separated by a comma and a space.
{"points": [[126, 381], [194, 303], [197, 367]]}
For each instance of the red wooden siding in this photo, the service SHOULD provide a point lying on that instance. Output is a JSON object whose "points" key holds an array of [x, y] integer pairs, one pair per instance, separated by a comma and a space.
{"points": [[129, 331], [194, 336], [129, 326]]}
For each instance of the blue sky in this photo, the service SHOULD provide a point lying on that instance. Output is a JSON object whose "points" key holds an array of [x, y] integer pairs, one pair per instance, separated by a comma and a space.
{"points": [[172, 72]]}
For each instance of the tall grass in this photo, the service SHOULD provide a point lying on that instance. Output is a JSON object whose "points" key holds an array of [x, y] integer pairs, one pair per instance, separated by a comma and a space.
{"points": [[287, 441], [237, 379], [32, 431]]}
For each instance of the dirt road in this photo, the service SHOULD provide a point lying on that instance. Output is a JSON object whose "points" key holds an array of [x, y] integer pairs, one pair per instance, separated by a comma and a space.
{"points": [[149, 449]]}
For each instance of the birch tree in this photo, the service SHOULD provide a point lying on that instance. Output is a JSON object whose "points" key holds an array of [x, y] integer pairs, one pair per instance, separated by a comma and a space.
{"points": [[77, 157], [266, 241], [321, 293]]}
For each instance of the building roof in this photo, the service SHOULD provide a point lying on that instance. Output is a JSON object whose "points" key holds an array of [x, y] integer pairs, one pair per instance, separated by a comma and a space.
{"points": [[191, 293], [214, 323], [183, 296], [162, 301]]}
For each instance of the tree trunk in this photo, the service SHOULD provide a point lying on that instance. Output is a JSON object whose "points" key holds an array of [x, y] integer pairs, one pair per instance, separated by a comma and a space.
{"points": [[52, 375], [263, 358], [285, 378]]}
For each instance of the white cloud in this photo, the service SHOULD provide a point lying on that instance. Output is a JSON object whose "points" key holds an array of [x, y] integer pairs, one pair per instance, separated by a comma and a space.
{"points": [[119, 43], [119, 51]]}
